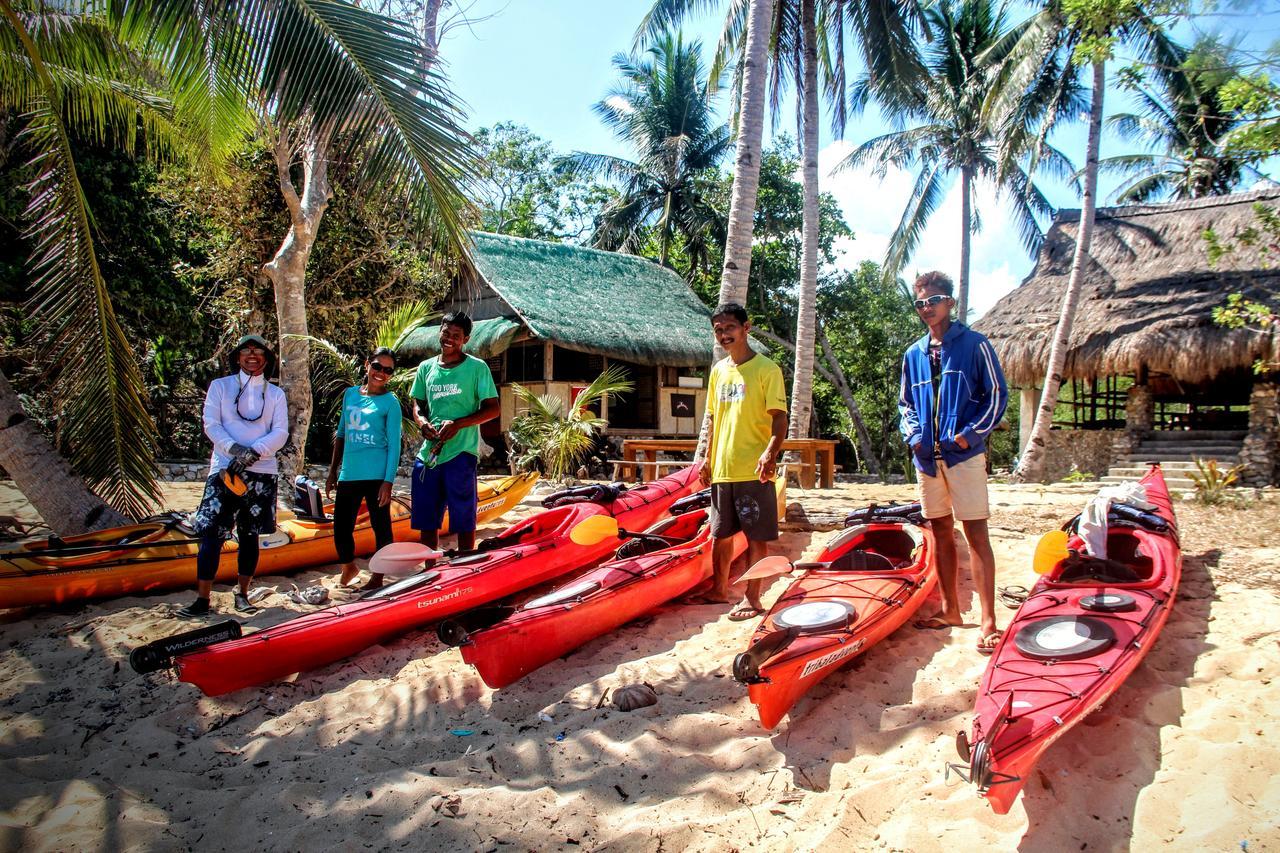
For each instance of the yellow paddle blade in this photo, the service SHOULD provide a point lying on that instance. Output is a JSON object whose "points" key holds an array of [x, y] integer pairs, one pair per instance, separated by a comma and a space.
{"points": [[767, 568], [1050, 550], [594, 530], [234, 483]]}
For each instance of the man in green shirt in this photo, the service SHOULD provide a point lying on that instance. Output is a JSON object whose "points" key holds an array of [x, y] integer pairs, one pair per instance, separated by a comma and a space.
{"points": [[453, 394]]}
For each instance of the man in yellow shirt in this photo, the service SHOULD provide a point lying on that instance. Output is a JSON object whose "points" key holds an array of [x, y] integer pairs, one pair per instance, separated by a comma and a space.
{"points": [[747, 405]]}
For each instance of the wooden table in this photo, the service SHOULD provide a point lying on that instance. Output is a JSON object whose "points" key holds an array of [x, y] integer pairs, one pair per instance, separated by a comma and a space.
{"points": [[816, 454]]}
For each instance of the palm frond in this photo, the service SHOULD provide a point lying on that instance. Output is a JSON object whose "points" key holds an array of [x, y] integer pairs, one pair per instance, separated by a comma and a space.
{"points": [[105, 421]]}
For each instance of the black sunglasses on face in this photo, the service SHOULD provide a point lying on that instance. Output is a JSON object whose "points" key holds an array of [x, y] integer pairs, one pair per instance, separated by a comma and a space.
{"points": [[929, 302], [381, 368]]}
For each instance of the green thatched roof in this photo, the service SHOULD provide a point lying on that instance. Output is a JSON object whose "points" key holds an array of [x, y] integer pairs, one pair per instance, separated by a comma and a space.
{"points": [[488, 338], [620, 306]]}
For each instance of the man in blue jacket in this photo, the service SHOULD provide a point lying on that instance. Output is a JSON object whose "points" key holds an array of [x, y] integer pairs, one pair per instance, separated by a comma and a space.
{"points": [[952, 396]]}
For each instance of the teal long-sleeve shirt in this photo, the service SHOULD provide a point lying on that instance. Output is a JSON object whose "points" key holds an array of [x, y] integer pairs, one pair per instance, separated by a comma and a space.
{"points": [[370, 431]]}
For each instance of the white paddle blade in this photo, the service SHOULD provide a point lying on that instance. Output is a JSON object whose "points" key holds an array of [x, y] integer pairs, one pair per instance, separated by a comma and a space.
{"points": [[401, 559], [1050, 550], [767, 568], [594, 530]]}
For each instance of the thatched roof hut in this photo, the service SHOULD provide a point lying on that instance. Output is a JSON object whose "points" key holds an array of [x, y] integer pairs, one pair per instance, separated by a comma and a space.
{"points": [[552, 317], [604, 303], [1148, 297]]}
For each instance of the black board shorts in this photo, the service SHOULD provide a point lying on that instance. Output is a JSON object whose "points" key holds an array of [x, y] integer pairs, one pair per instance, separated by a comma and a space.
{"points": [[750, 506]]}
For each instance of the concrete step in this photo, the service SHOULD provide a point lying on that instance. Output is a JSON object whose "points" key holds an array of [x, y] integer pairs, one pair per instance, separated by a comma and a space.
{"points": [[1165, 457], [1196, 435], [1192, 449]]}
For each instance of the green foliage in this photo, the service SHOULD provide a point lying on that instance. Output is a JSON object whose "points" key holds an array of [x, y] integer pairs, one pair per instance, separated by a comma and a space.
{"points": [[1262, 241], [1075, 475], [663, 109], [869, 325], [1185, 118], [559, 435], [1097, 22], [523, 194], [1212, 481]]}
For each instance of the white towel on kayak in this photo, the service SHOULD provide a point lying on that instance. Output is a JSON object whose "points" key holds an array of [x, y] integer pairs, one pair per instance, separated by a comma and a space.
{"points": [[1093, 520]]}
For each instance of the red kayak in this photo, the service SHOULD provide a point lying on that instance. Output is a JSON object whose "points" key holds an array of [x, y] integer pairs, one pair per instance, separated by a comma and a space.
{"points": [[868, 581], [531, 552], [510, 642], [1083, 628]]}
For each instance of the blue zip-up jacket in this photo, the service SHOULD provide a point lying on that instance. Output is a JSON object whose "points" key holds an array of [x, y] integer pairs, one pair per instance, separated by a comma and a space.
{"points": [[972, 397]]}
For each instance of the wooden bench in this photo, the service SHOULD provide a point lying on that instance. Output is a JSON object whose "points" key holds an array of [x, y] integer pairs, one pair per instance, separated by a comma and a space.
{"points": [[632, 467]]}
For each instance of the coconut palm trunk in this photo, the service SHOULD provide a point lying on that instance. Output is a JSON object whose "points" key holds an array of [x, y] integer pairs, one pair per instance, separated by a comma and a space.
{"points": [[288, 274], [47, 481], [802, 386], [966, 242], [746, 168], [1031, 466], [746, 175]]}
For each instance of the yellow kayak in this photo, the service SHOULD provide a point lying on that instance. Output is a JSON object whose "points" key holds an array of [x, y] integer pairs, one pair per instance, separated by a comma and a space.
{"points": [[161, 554]]}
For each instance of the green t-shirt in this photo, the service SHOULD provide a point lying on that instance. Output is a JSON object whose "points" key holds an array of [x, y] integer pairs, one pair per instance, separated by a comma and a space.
{"points": [[740, 398], [370, 432], [452, 393]]}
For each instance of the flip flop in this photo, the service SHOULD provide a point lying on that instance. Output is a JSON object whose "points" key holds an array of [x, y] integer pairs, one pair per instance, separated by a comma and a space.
{"points": [[933, 623], [987, 644], [742, 613]]}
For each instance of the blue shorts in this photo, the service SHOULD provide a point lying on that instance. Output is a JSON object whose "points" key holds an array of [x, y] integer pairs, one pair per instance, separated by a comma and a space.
{"points": [[450, 485]]}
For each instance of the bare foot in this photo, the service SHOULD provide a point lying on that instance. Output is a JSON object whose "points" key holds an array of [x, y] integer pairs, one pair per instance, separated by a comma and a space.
{"points": [[349, 573], [708, 597]]}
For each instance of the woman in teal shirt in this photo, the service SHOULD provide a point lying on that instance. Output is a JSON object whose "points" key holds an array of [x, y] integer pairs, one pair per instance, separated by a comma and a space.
{"points": [[366, 454]]}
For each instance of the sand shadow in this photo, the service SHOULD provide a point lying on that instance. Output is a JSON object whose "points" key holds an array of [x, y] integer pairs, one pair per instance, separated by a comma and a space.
{"points": [[1150, 699]]}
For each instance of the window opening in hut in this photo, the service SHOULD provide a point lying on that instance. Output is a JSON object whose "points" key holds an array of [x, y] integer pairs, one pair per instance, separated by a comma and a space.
{"points": [[1093, 403], [1219, 404], [637, 409], [524, 362], [572, 366]]}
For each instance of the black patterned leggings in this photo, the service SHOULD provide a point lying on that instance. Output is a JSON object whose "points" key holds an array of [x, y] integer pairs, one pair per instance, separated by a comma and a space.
{"points": [[346, 504]]}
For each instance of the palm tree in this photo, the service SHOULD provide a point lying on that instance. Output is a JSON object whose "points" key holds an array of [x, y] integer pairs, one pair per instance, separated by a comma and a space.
{"points": [[1046, 55], [194, 79], [663, 108], [954, 132], [561, 433], [801, 33], [1184, 120]]}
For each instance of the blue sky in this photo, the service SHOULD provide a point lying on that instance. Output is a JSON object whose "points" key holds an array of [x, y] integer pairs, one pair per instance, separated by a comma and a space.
{"points": [[543, 63]]}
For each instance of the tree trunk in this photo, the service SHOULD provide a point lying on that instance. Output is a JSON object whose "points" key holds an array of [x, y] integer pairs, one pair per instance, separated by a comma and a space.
{"points": [[966, 241], [834, 374], [746, 169], [288, 274], [1033, 458], [746, 175], [44, 477], [855, 414], [802, 387]]}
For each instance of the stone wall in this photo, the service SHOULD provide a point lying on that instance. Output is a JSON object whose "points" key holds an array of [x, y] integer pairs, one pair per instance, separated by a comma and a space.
{"points": [[1090, 450], [1259, 454], [1139, 418]]}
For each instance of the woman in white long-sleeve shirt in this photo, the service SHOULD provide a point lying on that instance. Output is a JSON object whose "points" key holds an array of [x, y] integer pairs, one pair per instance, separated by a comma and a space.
{"points": [[247, 419]]}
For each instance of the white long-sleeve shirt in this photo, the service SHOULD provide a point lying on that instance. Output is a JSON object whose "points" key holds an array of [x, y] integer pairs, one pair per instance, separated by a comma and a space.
{"points": [[226, 426]]}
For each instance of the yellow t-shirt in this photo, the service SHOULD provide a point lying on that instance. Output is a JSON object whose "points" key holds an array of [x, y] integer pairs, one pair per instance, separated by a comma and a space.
{"points": [[740, 399]]}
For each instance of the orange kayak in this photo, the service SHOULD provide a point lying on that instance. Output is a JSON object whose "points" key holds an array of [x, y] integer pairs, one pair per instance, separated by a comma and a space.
{"points": [[160, 554], [868, 581]]}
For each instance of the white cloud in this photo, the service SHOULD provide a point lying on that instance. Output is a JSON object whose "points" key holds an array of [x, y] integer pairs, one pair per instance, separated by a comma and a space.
{"points": [[873, 206]]}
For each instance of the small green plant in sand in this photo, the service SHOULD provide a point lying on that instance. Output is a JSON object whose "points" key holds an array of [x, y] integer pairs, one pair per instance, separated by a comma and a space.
{"points": [[559, 434], [1212, 480], [1075, 475]]}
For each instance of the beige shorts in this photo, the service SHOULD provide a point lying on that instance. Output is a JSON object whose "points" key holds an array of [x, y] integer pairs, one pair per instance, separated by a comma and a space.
{"points": [[959, 490]]}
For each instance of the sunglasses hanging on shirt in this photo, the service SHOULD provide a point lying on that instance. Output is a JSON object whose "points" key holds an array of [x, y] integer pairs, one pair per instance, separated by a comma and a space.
{"points": [[262, 408]]}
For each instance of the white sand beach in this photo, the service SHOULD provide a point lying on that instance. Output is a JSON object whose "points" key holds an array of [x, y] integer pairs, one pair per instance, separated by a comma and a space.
{"points": [[403, 747]]}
